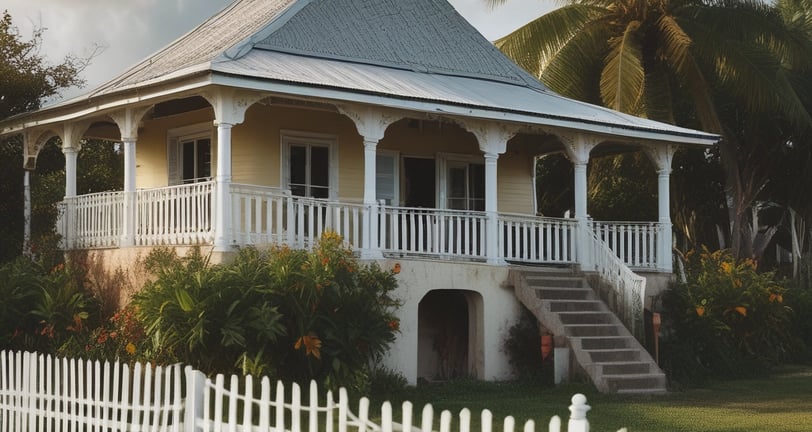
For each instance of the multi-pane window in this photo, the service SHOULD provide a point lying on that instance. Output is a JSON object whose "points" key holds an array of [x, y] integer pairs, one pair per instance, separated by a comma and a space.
{"points": [[195, 160], [465, 186], [309, 170]]}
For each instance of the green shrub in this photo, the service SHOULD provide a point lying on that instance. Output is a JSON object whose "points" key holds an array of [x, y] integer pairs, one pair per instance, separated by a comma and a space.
{"points": [[291, 314], [727, 320], [45, 311], [523, 347]]}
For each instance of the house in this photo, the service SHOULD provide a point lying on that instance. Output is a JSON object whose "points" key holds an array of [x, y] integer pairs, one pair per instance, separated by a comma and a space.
{"points": [[397, 125]]}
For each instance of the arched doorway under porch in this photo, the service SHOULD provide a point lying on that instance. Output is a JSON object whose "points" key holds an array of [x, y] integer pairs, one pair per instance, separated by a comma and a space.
{"points": [[450, 324]]}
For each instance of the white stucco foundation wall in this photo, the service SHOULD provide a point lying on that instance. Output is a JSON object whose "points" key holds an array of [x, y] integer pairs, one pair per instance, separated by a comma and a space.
{"points": [[500, 310]]}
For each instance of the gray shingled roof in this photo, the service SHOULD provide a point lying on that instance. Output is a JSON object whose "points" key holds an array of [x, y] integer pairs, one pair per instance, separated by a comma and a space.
{"points": [[423, 36], [410, 54]]}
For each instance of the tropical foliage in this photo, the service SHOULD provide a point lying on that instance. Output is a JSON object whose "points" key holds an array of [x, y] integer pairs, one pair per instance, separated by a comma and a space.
{"points": [[292, 314], [738, 68], [726, 320]]}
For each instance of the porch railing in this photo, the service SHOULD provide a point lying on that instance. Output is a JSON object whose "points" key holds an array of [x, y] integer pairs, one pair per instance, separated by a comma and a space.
{"points": [[635, 243], [175, 215], [626, 290], [272, 215], [92, 221], [534, 239], [437, 232], [183, 215]]}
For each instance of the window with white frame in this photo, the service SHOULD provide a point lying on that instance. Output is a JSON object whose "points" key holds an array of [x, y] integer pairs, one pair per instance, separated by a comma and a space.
{"points": [[463, 182], [189, 153], [309, 166]]}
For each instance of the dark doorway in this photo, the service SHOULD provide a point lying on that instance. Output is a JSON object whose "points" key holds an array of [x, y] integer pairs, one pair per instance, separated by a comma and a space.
{"points": [[420, 184], [443, 330]]}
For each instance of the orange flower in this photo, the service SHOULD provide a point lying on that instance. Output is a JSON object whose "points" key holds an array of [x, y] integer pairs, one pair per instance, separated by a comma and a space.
{"points": [[726, 267], [312, 345], [396, 269], [130, 348], [394, 324], [741, 310], [700, 310]]}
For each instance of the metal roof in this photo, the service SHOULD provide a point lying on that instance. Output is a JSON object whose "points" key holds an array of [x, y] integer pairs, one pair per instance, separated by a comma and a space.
{"points": [[414, 54]]}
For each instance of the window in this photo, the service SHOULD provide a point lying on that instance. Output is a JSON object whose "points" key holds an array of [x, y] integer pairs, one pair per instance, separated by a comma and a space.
{"points": [[195, 160], [308, 166], [386, 177], [189, 153], [465, 186]]}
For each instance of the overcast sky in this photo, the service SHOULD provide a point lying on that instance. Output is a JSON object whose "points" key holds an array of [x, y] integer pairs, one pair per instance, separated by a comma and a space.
{"points": [[130, 30]]}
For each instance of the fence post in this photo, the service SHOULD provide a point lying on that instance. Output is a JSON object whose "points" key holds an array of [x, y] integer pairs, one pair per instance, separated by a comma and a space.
{"points": [[193, 405], [578, 409]]}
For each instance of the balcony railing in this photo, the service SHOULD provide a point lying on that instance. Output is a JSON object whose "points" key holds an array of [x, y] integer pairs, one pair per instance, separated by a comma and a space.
{"points": [[182, 215]]}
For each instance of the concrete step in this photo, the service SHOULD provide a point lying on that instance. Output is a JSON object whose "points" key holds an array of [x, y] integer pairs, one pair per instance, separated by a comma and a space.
{"points": [[546, 280], [607, 342], [576, 305], [614, 355], [625, 368], [587, 317], [565, 293], [580, 330], [629, 383]]}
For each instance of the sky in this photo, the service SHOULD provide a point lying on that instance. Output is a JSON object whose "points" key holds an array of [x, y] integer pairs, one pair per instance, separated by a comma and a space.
{"points": [[127, 31]]}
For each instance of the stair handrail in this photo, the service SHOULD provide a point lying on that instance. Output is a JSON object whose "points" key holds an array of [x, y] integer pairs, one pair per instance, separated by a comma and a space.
{"points": [[628, 288]]}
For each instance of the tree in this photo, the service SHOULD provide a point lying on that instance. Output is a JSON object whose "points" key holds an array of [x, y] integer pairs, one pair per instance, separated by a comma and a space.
{"points": [[27, 79], [719, 65]]}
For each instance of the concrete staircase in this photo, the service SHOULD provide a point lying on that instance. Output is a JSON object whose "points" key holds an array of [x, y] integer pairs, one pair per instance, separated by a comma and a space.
{"points": [[564, 303]]}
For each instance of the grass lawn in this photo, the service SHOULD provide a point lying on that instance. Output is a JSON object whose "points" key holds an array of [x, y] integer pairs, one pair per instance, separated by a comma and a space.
{"points": [[781, 402]]}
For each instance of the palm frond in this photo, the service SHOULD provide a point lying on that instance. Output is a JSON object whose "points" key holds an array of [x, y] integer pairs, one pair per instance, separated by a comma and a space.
{"points": [[573, 70], [623, 76], [533, 45]]}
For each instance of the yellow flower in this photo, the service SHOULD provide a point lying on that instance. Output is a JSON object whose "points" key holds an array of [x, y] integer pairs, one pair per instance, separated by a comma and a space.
{"points": [[741, 310], [130, 348], [726, 267]]}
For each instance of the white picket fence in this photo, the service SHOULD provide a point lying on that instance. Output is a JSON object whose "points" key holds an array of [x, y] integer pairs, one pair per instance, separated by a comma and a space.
{"points": [[42, 393]]}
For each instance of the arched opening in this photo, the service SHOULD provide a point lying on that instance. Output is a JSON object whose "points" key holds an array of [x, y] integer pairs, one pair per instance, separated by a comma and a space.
{"points": [[449, 335]]}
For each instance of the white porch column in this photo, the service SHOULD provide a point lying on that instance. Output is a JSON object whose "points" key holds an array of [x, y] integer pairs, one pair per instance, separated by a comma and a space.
{"points": [[229, 110], [371, 123], [492, 139], [222, 216], [128, 120], [662, 155], [491, 208], [578, 149], [71, 155], [130, 205], [370, 247]]}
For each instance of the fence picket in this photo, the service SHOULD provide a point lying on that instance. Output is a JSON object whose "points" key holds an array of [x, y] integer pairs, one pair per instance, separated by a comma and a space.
{"points": [[406, 416], [313, 418], [465, 420], [386, 417], [509, 424], [248, 405], [427, 419]]}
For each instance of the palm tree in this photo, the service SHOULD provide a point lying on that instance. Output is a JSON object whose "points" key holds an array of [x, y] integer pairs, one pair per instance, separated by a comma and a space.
{"points": [[719, 65]]}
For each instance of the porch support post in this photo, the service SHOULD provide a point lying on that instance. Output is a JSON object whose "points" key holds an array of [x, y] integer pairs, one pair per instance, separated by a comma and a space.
{"points": [[130, 206], [229, 110], [128, 120], [222, 216], [578, 148], [33, 142], [371, 124], [492, 139], [662, 156], [26, 213], [491, 199]]}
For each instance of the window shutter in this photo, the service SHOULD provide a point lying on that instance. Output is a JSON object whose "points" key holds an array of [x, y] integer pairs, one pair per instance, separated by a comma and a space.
{"points": [[173, 162], [385, 178]]}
